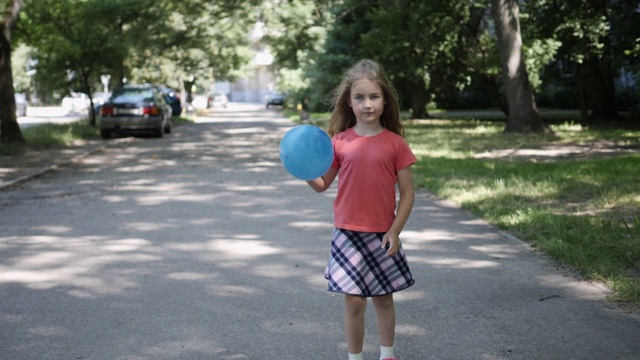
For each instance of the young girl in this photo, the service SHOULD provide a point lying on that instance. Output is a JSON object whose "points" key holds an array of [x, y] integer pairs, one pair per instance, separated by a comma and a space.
{"points": [[371, 156]]}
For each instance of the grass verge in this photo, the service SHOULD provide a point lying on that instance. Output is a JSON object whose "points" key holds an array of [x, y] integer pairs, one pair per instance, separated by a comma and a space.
{"points": [[50, 136], [53, 136], [583, 211]]}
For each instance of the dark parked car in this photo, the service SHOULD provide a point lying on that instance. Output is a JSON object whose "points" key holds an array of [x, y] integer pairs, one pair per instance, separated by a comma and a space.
{"points": [[172, 99], [275, 98], [135, 108]]}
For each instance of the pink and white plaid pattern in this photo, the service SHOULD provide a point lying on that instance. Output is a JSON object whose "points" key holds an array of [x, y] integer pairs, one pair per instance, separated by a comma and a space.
{"points": [[359, 266]]}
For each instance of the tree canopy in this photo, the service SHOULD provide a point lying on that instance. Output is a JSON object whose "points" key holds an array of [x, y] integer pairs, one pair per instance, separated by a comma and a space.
{"points": [[576, 53]]}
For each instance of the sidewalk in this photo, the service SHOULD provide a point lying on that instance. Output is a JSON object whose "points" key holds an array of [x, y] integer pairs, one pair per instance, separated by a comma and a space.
{"points": [[15, 169]]}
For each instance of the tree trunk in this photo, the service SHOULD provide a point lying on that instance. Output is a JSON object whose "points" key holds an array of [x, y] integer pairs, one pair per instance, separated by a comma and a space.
{"points": [[419, 102], [603, 100], [419, 98], [583, 94], [600, 76], [9, 129], [87, 90], [523, 112], [492, 84], [188, 86]]}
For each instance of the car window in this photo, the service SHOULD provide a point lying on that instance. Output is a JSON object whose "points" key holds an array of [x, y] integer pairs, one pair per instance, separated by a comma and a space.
{"points": [[123, 96]]}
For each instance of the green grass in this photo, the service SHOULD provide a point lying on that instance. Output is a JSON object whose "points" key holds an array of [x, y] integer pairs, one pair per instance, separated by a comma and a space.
{"points": [[46, 136], [51, 136], [582, 211], [315, 118]]}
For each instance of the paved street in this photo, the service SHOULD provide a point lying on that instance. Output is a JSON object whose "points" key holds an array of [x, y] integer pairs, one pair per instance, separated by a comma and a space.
{"points": [[199, 245]]}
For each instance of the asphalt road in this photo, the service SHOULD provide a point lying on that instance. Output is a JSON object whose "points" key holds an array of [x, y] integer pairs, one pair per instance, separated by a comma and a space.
{"points": [[200, 246]]}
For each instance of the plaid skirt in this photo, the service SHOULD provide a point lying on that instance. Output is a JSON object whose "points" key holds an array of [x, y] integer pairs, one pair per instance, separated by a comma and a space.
{"points": [[359, 266]]}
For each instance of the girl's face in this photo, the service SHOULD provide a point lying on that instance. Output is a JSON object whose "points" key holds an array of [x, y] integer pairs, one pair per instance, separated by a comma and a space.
{"points": [[366, 101]]}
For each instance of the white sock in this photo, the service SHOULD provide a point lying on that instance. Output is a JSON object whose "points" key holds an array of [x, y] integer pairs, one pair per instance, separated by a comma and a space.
{"points": [[355, 356], [386, 352]]}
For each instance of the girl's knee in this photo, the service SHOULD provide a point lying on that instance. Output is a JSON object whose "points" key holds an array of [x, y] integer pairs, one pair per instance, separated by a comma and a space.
{"points": [[355, 305], [383, 302]]}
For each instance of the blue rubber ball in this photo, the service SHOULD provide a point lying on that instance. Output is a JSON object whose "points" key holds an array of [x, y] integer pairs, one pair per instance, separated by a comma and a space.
{"points": [[306, 152]]}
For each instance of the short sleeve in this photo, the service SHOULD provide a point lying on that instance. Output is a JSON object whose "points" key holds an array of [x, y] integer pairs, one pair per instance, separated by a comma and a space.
{"points": [[405, 155]]}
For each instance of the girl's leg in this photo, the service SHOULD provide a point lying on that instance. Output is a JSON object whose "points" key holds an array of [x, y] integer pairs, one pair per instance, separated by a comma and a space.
{"points": [[385, 318], [355, 307]]}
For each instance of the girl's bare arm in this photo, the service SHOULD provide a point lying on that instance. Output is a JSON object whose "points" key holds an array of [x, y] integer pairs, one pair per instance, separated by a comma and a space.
{"points": [[324, 182], [405, 205]]}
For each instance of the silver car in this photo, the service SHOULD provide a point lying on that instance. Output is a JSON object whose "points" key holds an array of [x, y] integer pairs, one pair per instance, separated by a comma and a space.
{"points": [[135, 109]]}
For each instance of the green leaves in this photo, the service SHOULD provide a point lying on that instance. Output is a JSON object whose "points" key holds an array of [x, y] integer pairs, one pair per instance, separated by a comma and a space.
{"points": [[143, 41]]}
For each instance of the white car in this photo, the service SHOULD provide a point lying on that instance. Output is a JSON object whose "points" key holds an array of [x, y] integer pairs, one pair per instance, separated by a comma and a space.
{"points": [[76, 102], [21, 105], [200, 102], [217, 100]]}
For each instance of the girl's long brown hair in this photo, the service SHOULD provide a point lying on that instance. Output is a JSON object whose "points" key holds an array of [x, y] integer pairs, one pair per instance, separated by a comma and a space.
{"points": [[342, 116]]}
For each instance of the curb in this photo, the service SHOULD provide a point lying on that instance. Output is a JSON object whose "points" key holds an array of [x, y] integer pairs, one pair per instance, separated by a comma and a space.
{"points": [[49, 168]]}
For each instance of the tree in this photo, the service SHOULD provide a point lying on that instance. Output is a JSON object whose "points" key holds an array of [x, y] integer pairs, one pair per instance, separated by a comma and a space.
{"points": [[595, 37], [419, 43], [72, 43], [19, 60], [523, 112], [9, 128], [182, 44], [197, 44], [295, 32], [338, 52], [154, 41], [625, 47], [584, 33], [423, 46], [408, 54]]}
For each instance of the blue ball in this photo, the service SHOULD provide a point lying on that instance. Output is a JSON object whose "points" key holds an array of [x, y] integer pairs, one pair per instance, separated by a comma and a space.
{"points": [[306, 152]]}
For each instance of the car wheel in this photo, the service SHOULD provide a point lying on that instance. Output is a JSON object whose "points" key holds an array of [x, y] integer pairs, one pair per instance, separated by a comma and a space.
{"points": [[106, 134]]}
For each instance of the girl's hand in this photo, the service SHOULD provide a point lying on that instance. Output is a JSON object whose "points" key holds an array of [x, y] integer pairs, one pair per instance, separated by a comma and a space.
{"points": [[322, 183], [392, 240]]}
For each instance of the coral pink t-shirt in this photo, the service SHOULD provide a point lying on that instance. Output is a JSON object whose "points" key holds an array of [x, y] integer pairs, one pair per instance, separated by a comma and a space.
{"points": [[369, 166]]}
